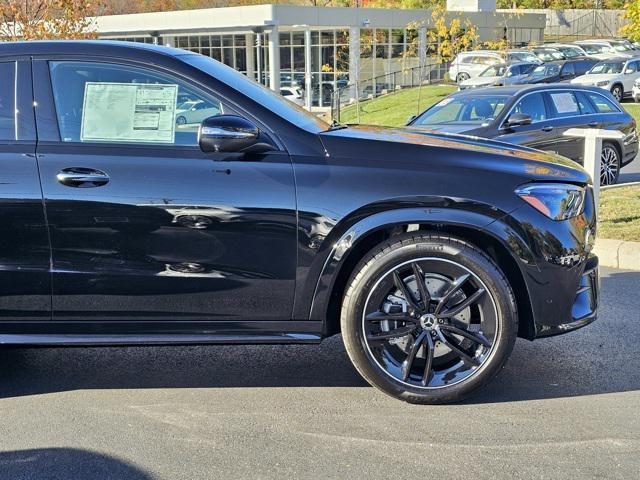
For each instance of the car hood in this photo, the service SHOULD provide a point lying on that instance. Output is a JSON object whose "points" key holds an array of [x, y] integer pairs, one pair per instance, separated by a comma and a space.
{"points": [[595, 78], [467, 145]]}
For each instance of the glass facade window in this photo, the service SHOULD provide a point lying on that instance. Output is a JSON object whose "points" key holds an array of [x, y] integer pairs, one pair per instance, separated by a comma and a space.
{"points": [[230, 49]]}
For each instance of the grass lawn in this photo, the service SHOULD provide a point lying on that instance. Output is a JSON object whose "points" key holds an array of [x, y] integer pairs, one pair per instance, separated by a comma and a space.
{"points": [[395, 108], [620, 213]]}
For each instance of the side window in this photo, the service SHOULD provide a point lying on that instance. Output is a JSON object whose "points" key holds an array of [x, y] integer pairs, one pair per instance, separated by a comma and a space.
{"points": [[567, 70], [532, 105], [564, 104], [585, 105], [111, 103], [603, 105], [515, 70], [7, 101], [632, 67]]}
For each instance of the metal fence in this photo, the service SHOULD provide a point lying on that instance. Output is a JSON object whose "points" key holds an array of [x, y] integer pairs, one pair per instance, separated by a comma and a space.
{"points": [[363, 90]]}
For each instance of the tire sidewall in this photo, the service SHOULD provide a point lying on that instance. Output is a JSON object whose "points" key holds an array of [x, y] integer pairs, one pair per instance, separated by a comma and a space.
{"points": [[370, 270]]}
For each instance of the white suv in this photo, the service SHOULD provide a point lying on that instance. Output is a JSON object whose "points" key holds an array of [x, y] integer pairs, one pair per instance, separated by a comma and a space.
{"points": [[468, 65], [616, 75]]}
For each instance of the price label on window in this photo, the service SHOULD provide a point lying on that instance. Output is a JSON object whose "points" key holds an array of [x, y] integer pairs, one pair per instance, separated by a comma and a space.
{"points": [[128, 112], [564, 102]]}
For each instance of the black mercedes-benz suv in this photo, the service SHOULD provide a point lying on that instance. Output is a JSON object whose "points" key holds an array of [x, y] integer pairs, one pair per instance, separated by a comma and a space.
{"points": [[253, 221]]}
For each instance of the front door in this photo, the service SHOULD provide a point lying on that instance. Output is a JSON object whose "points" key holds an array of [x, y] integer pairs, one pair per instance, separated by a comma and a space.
{"points": [[144, 226], [540, 133]]}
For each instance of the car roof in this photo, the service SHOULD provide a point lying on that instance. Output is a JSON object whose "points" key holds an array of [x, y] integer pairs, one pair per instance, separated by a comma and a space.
{"points": [[518, 90], [88, 47]]}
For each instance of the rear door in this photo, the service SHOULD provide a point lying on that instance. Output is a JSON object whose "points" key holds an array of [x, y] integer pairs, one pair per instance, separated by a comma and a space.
{"points": [[569, 111], [144, 225], [25, 281]]}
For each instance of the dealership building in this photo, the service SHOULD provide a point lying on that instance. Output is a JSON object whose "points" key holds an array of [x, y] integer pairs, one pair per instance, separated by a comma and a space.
{"points": [[317, 48]]}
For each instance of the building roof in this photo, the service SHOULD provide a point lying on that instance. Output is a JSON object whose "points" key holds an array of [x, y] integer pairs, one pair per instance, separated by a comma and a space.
{"points": [[256, 16]]}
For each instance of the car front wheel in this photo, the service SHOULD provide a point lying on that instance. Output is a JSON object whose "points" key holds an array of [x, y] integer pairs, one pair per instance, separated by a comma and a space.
{"points": [[428, 318], [609, 165]]}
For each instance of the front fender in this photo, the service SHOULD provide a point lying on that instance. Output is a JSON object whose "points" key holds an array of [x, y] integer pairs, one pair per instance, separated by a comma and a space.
{"points": [[490, 222]]}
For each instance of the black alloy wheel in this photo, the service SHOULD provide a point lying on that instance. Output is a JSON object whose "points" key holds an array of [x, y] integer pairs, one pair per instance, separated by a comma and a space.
{"points": [[428, 319]]}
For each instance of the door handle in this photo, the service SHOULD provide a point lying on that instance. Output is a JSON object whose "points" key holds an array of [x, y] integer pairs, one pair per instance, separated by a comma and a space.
{"points": [[548, 128], [82, 177], [593, 124]]}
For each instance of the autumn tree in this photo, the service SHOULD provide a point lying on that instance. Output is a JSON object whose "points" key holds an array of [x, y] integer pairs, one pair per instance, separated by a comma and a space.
{"points": [[632, 13], [450, 35], [47, 19]]}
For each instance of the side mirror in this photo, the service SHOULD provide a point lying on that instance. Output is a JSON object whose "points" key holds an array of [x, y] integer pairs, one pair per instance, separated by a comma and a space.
{"points": [[629, 71], [227, 133], [517, 120]]}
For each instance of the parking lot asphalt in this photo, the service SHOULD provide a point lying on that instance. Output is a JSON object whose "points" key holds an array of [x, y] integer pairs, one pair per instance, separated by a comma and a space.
{"points": [[564, 407], [631, 172]]}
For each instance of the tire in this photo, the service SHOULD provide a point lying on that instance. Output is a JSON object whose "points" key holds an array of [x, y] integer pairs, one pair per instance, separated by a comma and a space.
{"points": [[430, 252], [617, 92], [609, 164], [181, 120], [462, 77]]}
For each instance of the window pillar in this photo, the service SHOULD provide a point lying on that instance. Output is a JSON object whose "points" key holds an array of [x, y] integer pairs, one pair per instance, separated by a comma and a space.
{"points": [[307, 68], [354, 62], [250, 43], [274, 59]]}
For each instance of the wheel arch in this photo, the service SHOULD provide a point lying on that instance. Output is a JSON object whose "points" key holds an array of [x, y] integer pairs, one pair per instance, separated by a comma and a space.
{"points": [[488, 234]]}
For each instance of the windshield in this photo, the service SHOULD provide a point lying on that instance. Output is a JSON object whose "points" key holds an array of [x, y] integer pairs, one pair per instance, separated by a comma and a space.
{"points": [[569, 52], [549, 55], [466, 110], [546, 70], [621, 47], [607, 68], [494, 71], [269, 99], [525, 56], [591, 49]]}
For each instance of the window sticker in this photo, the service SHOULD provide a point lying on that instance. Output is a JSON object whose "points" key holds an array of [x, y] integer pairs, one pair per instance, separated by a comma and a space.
{"points": [[564, 102], [128, 112]]}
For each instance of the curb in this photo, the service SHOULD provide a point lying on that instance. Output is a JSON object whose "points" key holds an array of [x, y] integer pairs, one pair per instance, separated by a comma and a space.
{"points": [[619, 185], [618, 254]]}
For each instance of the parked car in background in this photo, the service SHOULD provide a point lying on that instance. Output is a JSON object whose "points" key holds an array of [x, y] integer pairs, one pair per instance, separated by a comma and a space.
{"points": [[293, 94], [559, 71], [568, 50], [547, 54], [537, 116], [600, 50], [468, 65], [267, 225], [194, 111], [621, 47], [636, 90], [500, 74], [616, 75]]}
